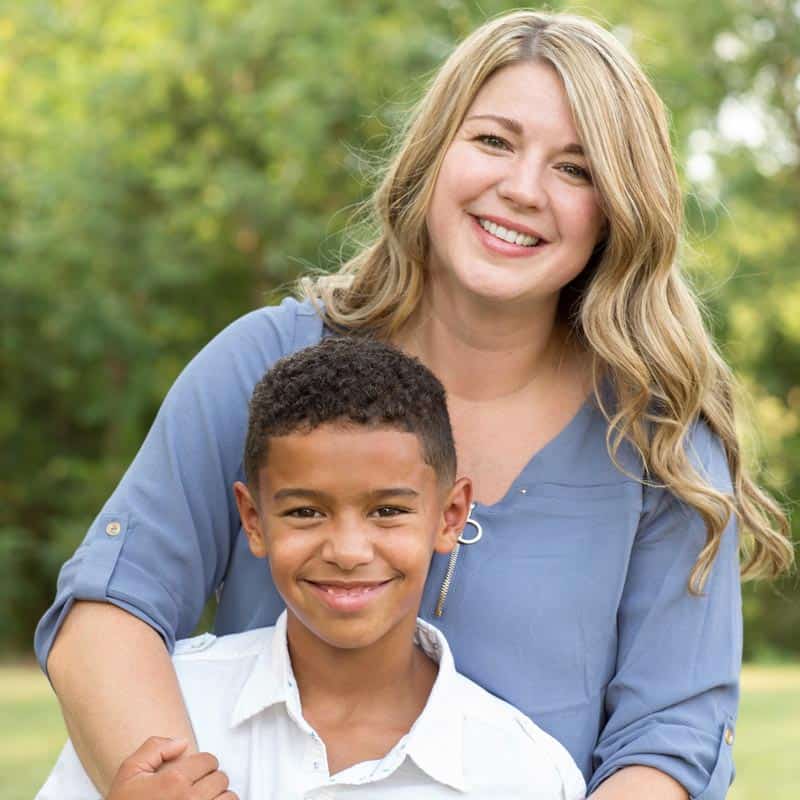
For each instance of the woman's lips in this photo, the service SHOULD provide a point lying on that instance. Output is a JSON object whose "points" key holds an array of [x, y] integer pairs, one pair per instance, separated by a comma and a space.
{"points": [[348, 597], [501, 247]]}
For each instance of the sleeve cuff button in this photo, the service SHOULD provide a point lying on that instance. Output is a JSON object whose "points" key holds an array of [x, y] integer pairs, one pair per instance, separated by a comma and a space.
{"points": [[728, 736]]}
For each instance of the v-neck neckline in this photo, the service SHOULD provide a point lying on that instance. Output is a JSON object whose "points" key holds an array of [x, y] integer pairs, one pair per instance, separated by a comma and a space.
{"points": [[540, 457]]}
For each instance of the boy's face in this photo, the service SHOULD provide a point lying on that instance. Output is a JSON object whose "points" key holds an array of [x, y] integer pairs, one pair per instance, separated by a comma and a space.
{"points": [[349, 517]]}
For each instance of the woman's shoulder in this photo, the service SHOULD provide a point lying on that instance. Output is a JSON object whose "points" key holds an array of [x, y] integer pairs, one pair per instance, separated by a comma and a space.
{"points": [[704, 448], [246, 348], [288, 326]]}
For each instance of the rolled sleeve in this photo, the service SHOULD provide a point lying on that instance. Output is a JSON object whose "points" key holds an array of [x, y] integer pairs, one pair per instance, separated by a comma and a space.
{"points": [[673, 700], [162, 543]]}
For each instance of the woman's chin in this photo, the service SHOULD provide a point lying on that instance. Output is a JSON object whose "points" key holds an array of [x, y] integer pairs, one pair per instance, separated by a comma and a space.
{"points": [[503, 294], [491, 286]]}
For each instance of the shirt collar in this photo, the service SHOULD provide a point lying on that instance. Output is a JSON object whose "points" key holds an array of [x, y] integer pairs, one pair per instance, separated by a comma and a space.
{"points": [[271, 679], [435, 741]]}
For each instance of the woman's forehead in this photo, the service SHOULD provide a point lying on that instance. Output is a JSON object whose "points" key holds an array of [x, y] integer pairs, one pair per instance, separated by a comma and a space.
{"points": [[525, 95]]}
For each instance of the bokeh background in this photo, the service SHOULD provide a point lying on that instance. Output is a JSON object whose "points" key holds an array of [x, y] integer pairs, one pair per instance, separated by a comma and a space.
{"points": [[166, 167]]}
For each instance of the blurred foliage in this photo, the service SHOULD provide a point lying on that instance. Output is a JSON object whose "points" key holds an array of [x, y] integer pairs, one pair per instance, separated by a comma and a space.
{"points": [[166, 167]]}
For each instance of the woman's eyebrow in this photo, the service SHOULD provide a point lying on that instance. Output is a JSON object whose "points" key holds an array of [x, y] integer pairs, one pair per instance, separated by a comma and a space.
{"points": [[506, 122], [516, 127]]}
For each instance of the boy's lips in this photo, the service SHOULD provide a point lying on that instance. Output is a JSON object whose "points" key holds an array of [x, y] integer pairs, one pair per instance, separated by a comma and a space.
{"points": [[347, 596]]}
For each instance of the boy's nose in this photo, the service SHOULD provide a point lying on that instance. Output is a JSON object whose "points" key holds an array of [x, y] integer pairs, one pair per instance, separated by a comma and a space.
{"points": [[348, 546]]}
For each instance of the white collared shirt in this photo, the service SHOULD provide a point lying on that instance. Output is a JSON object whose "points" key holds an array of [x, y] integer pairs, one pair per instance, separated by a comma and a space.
{"points": [[245, 708]]}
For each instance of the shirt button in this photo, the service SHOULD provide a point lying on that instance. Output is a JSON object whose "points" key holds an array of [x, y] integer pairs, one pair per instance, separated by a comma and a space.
{"points": [[728, 736], [113, 528]]}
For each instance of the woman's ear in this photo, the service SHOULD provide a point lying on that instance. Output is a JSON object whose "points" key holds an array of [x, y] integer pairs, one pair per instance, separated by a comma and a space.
{"points": [[455, 512], [251, 520]]}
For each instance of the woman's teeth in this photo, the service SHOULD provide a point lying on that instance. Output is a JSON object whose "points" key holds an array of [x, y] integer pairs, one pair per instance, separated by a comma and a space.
{"points": [[507, 235]]}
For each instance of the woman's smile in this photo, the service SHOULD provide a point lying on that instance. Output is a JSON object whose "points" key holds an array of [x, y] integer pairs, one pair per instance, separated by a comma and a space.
{"points": [[507, 241]]}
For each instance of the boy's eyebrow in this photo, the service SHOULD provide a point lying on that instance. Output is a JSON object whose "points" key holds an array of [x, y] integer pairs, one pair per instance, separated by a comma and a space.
{"points": [[394, 491], [310, 494]]}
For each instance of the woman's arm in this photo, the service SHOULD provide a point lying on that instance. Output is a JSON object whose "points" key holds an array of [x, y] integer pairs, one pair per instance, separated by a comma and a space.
{"points": [[634, 783], [159, 548], [117, 686], [671, 704]]}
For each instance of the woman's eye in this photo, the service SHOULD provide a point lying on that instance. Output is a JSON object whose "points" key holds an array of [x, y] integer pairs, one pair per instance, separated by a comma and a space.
{"points": [[495, 142], [576, 171]]}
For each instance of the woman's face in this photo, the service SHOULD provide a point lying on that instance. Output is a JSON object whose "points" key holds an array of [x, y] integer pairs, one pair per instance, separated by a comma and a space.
{"points": [[514, 214]]}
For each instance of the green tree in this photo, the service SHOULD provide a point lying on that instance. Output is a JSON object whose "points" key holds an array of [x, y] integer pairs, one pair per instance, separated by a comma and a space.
{"points": [[167, 167]]}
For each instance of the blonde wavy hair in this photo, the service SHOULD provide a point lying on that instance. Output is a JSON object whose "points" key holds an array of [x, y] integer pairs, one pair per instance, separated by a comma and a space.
{"points": [[631, 306]]}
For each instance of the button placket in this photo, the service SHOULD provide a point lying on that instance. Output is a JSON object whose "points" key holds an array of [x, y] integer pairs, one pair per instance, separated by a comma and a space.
{"points": [[315, 759]]}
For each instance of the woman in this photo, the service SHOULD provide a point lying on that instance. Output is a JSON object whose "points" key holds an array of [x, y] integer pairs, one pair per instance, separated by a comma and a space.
{"points": [[529, 229]]}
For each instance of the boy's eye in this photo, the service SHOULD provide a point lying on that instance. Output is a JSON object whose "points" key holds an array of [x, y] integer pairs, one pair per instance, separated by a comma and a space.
{"points": [[389, 511], [302, 513], [493, 141]]}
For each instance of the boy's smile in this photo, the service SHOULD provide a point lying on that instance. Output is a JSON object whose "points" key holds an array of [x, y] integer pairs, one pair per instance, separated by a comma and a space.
{"points": [[348, 595], [349, 517]]}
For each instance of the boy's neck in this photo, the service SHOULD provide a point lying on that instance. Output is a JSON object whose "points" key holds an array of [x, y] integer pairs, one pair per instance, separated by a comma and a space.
{"points": [[360, 701], [390, 667]]}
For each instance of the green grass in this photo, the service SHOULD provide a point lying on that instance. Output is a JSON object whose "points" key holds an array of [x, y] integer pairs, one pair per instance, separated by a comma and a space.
{"points": [[768, 735], [31, 731], [766, 748]]}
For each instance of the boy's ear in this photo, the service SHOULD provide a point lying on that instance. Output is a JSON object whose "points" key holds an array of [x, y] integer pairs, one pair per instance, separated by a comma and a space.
{"points": [[454, 515], [251, 520]]}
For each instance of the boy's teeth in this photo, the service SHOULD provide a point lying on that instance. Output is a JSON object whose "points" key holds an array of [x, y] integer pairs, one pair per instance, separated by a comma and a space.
{"points": [[348, 589], [510, 236]]}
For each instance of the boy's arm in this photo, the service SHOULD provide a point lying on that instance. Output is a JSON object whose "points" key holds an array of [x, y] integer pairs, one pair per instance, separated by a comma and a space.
{"points": [[117, 687]]}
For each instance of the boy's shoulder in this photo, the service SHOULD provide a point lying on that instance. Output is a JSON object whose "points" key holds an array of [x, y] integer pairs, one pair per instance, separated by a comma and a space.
{"points": [[213, 673], [502, 748], [484, 709], [514, 744], [224, 662], [230, 647]]}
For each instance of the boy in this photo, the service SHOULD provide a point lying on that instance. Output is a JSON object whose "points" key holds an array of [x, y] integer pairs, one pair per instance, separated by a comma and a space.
{"points": [[351, 487]]}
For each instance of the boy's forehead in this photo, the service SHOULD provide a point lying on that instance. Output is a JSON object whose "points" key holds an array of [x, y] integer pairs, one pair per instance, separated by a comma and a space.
{"points": [[342, 430], [331, 452]]}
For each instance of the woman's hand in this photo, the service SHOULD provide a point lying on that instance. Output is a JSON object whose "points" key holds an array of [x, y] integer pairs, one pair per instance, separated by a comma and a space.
{"points": [[157, 772]]}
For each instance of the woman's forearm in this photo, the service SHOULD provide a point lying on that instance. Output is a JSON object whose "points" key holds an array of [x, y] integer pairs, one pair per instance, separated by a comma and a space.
{"points": [[635, 783], [116, 685]]}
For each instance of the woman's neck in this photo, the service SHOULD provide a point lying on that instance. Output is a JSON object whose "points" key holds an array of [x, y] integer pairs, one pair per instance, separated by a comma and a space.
{"points": [[483, 352]]}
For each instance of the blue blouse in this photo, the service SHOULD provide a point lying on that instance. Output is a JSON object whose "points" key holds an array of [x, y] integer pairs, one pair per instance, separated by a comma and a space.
{"points": [[573, 605]]}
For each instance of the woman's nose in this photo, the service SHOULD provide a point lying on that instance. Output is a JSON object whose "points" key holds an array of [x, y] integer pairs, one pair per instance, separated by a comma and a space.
{"points": [[524, 184]]}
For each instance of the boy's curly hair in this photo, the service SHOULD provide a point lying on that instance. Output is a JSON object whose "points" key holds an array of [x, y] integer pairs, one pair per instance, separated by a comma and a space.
{"points": [[355, 381]]}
